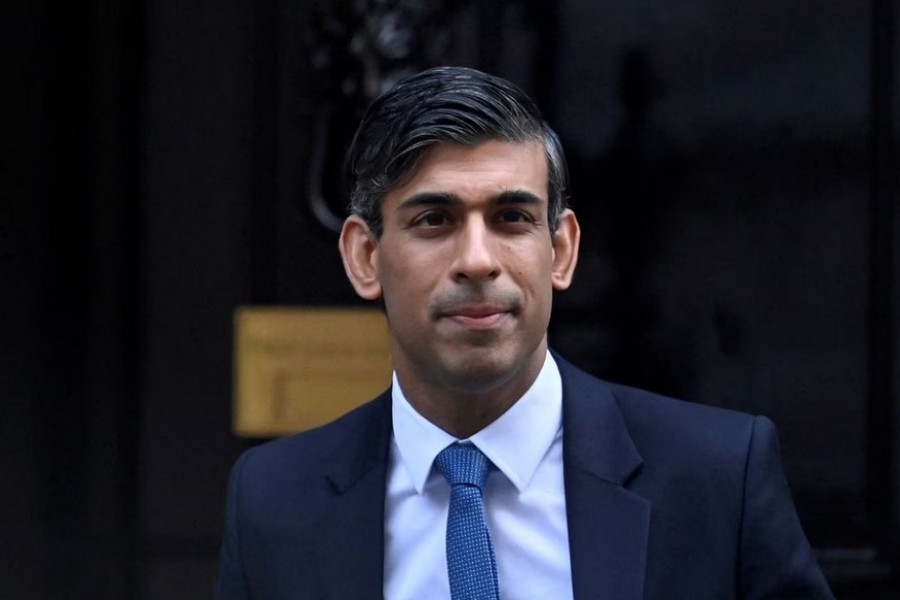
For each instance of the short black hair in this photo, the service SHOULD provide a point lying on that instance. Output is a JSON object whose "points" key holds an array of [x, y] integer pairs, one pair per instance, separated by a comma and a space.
{"points": [[450, 105]]}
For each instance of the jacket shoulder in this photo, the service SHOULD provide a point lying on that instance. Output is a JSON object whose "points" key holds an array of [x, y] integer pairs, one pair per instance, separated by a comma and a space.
{"points": [[657, 414], [354, 437], [669, 428]]}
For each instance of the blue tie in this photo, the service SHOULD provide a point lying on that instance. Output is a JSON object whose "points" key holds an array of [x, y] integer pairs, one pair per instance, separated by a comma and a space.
{"points": [[470, 557]]}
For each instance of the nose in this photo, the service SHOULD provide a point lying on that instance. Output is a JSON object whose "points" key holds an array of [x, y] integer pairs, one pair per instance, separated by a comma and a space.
{"points": [[476, 253]]}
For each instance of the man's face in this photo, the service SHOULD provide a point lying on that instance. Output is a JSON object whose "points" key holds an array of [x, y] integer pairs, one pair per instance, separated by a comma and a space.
{"points": [[466, 265]]}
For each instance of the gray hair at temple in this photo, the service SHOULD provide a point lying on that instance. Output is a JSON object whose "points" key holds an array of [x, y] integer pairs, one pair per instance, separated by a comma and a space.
{"points": [[443, 105]]}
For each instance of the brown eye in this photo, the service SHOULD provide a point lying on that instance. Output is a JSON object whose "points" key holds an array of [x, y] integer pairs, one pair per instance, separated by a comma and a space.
{"points": [[514, 216], [431, 219]]}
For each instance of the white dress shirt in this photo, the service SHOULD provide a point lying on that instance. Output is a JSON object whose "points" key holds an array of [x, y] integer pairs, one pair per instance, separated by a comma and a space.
{"points": [[524, 499]]}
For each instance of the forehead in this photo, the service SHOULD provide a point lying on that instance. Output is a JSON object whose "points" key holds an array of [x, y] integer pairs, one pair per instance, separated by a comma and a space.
{"points": [[478, 171]]}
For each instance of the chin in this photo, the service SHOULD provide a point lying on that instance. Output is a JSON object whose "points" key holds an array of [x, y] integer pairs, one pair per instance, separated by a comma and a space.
{"points": [[482, 370]]}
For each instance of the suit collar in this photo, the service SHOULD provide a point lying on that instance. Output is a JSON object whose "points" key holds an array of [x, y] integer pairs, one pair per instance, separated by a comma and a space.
{"points": [[608, 523], [351, 555], [596, 437], [364, 446]]}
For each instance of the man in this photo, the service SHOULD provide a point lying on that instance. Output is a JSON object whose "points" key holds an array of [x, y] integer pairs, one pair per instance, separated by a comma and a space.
{"points": [[584, 489]]}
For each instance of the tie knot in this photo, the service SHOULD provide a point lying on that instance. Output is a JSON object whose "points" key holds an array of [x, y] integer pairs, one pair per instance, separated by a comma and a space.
{"points": [[463, 464]]}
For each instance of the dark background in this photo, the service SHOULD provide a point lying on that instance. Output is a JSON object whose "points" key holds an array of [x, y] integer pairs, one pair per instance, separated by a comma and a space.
{"points": [[734, 167]]}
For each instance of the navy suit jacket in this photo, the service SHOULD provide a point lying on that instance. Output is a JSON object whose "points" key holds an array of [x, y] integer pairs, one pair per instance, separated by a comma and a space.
{"points": [[665, 500]]}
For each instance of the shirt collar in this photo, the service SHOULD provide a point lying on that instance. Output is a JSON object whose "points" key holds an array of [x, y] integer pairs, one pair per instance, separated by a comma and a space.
{"points": [[516, 442]]}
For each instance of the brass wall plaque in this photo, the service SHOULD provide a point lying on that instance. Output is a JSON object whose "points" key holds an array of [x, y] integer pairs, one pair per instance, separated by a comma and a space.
{"points": [[298, 368]]}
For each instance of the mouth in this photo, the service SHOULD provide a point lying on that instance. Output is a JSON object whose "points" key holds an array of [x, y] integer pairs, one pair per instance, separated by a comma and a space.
{"points": [[477, 317]]}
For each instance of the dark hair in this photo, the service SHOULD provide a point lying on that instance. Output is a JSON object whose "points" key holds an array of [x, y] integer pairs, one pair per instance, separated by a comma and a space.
{"points": [[444, 104]]}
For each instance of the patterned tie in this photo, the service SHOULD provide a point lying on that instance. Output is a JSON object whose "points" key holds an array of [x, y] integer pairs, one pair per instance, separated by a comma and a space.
{"points": [[470, 557]]}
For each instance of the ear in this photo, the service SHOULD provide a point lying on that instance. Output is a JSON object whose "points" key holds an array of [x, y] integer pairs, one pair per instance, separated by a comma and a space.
{"points": [[359, 249], [565, 250]]}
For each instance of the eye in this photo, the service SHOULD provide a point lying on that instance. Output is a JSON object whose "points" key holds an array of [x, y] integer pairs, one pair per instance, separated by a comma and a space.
{"points": [[431, 219], [514, 216]]}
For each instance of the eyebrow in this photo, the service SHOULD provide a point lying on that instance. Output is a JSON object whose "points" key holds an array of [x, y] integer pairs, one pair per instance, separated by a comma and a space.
{"points": [[447, 199], [517, 197], [429, 199]]}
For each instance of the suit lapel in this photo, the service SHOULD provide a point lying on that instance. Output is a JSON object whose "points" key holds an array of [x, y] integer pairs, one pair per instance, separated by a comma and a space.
{"points": [[351, 554], [608, 524]]}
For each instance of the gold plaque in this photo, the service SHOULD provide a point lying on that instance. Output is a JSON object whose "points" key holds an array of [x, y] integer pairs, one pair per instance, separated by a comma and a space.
{"points": [[298, 368]]}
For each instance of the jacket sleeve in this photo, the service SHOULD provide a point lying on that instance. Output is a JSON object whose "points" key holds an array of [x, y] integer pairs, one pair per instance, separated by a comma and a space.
{"points": [[776, 560], [232, 583]]}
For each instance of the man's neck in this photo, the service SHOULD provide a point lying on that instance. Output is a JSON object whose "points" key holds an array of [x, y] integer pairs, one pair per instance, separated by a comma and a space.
{"points": [[464, 412]]}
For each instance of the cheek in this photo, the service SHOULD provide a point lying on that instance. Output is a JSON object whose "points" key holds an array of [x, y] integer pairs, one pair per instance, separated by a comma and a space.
{"points": [[532, 268], [407, 288], [516, 261]]}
